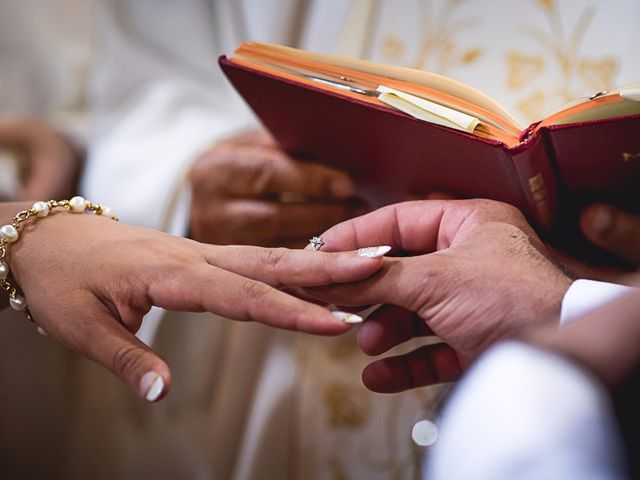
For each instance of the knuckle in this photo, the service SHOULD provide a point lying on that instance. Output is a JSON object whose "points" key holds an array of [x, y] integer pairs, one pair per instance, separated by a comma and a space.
{"points": [[200, 170], [171, 253], [212, 168], [274, 259], [258, 171], [238, 168], [159, 260], [511, 212], [320, 180], [255, 291], [491, 210], [125, 360]]}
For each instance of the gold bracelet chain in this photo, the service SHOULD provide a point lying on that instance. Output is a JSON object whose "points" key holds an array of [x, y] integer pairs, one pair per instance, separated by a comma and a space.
{"points": [[10, 233]]}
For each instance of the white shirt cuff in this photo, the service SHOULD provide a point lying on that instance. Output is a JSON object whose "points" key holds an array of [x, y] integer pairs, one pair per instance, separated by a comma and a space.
{"points": [[587, 296]]}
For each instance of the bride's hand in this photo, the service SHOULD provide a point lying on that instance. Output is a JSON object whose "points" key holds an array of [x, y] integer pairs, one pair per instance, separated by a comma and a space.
{"points": [[89, 280]]}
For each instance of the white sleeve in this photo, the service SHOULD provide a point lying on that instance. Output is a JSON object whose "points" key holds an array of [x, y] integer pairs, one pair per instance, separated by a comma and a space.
{"points": [[156, 103], [157, 100], [586, 296], [525, 413]]}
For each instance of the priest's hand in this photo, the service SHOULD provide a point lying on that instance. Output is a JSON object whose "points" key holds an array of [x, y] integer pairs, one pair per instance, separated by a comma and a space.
{"points": [[51, 163], [476, 273], [614, 230], [89, 280], [246, 190]]}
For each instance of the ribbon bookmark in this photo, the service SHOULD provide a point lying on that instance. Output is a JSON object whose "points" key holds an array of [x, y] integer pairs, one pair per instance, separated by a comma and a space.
{"points": [[426, 110], [630, 92]]}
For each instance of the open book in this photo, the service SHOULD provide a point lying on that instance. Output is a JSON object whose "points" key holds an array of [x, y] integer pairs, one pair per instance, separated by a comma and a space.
{"points": [[402, 132]]}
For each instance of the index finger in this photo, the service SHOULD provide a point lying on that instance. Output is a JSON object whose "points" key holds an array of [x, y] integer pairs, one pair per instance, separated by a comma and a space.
{"points": [[280, 267], [202, 287]]}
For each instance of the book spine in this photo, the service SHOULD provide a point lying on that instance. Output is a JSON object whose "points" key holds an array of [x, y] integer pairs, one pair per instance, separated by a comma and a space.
{"points": [[598, 160], [534, 165]]}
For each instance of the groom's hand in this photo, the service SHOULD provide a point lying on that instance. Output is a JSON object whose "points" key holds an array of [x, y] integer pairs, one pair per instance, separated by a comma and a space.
{"points": [[604, 341], [477, 273]]}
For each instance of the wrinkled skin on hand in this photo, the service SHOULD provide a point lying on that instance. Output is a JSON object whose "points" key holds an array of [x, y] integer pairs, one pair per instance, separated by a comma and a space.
{"points": [[611, 229], [246, 190]]}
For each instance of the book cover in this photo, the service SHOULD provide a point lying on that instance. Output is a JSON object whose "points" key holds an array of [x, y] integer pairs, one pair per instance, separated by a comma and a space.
{"points": [[549, 171]]}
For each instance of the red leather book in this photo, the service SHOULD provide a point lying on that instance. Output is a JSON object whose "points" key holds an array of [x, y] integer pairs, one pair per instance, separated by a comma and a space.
{"points": [[548, 173]]}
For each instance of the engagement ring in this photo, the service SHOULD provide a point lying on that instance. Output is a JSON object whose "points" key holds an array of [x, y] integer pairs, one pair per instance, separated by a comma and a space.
{"points": [[316, 243]]}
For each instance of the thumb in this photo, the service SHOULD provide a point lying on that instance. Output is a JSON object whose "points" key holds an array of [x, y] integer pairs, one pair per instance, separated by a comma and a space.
{"points": [[614, 230], [100, 337], [135, 363], [409, 283]]}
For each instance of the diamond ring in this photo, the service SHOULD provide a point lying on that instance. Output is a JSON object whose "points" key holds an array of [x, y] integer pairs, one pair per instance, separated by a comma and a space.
{"points": [[316, 243]]}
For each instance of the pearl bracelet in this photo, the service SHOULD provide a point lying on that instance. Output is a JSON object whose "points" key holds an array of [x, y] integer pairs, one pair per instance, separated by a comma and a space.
{"points": [[10, 233]]}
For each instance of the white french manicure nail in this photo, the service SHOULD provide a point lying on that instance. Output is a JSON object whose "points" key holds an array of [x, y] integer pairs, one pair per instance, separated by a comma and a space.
{"points": [[374, 252], [151, 386], [346, 317]]}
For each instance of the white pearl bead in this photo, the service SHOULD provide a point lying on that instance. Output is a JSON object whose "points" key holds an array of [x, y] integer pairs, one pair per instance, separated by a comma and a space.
{"points": [[4, 271], [41, 208], [78, 204], [18, 303], [8, 233], [108, 212]]}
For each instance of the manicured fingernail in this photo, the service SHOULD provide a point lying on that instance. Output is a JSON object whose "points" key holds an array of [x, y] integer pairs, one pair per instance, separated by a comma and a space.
{"points": [[151, 386], [601, 220], [346, 317], [341, 187], [41, 331], [374, 252]]}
